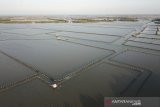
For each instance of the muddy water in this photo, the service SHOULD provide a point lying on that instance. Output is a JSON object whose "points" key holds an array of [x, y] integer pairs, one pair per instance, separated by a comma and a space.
{"points": [[11, 71], [85, 90], [147, 61], [143, 45], [37, 46], [91, 37], [52, 57]]}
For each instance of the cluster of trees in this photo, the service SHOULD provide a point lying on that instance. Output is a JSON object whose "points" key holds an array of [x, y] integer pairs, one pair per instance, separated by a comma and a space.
{"points": [[157, 21]]}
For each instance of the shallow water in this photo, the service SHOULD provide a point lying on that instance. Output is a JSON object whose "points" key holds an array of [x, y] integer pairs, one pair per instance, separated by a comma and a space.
{"points": [[91, 37], [86, 89], [147, 61], [11, 71], [143, 45], [30, 48], [52, 57]]}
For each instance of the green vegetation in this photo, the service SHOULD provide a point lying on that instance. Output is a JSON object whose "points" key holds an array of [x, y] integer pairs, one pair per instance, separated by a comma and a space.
{"points": [[132, 19], [106, 19], [52, 19], [50, 22], [156, 21], [4, 20], [21, 22], [44, 20], [8, 20], [85, 20], [58, 20], [88, 20]]}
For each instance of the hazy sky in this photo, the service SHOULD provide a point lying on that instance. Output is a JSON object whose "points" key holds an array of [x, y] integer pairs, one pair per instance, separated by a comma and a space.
{"points": [[68, 7]]}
